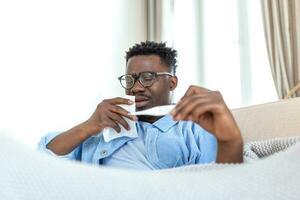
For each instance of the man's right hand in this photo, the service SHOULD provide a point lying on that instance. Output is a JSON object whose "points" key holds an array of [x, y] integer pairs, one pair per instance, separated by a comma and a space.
{"points": [[108, 114]]}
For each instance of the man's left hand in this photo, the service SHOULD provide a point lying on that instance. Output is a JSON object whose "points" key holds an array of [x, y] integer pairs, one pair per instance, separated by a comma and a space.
{"points": [[208, 109]]}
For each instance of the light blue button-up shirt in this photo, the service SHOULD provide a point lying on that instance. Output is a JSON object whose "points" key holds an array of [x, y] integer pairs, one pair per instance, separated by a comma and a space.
{"points": [[167, 144]]}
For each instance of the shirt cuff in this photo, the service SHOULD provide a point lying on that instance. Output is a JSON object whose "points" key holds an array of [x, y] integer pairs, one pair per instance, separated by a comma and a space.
{"points": [[45, 140]]}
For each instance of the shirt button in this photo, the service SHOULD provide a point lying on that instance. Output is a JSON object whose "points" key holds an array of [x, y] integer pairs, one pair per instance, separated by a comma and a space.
{"points": [[103, 152]]}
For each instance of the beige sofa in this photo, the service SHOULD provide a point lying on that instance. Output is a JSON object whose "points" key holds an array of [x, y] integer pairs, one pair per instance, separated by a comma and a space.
{"points": [[270, 120]]}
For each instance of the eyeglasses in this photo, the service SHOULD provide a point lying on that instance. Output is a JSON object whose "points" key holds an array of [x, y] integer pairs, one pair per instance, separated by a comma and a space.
{"points": [[145, 78]]}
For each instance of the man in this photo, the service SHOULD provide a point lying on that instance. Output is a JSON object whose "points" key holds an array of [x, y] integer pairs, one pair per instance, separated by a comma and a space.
{"points": [[200, 129]]}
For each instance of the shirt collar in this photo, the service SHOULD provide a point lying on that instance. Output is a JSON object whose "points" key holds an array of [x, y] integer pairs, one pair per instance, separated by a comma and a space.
{"points": [[164, 123]]}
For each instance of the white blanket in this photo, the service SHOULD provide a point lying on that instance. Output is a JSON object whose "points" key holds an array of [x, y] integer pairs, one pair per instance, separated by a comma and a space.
{"points": [[27, 174]]}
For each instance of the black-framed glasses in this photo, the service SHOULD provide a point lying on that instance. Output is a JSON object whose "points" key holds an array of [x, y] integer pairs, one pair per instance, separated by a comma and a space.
{"points": [[145, 78]]}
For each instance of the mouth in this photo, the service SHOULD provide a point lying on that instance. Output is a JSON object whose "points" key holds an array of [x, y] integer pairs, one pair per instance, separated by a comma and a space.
{"points": [[141, 101]]}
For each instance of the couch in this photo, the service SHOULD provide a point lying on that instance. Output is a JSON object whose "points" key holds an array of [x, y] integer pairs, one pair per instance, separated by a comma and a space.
{"points": [[28, 174]]}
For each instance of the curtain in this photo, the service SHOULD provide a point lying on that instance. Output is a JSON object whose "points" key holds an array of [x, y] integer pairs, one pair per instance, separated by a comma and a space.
{"points": [[160, 20], [282, 26]]}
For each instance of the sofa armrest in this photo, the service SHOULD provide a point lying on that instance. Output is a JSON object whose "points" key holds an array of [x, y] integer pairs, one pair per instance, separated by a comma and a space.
{"points": [[270, 120]]}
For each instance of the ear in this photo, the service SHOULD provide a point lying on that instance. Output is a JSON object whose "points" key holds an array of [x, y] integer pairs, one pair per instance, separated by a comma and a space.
{"points": [[173, 82]]}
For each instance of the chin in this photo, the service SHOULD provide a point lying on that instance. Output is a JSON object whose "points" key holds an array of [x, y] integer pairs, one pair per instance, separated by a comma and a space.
{"points": [[142, 108], [147, 106]]}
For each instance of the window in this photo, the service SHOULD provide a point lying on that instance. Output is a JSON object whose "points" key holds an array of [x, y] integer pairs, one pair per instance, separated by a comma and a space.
{"points": [[221, 47]]}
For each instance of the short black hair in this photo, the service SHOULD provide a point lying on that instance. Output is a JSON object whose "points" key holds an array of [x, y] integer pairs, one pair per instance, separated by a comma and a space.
{"points": [[167, 55]]}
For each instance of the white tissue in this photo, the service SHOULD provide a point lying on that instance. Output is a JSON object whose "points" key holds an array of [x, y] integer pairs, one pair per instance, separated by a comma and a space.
{"points": [[110, 133], [155, 111]]}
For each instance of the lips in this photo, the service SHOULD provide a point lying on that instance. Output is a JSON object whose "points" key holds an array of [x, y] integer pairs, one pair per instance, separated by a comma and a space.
{"points": [[141, 101]]}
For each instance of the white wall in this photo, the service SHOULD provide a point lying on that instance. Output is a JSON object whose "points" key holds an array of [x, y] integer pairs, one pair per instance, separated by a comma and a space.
{"points": [[59, 58], [129, 27]]}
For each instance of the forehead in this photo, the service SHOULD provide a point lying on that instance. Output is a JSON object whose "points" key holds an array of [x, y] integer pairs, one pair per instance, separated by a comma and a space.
{"points": [[142, 63]]}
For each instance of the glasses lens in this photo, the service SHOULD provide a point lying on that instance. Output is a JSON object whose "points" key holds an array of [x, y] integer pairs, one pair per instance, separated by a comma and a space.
{"points": [[147, 78], [127, 81]]}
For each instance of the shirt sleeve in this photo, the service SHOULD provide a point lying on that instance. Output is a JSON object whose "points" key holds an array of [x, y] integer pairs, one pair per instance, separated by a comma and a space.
{"points": [[207, 144], [42, 147]]}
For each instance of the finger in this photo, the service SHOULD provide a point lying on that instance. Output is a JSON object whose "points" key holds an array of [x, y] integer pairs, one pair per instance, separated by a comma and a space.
{"points": [[198, 112], [201, 110], [186, 101], [132, 117], [112, 124], [195, 89], [121, 111], [191, 104], [108, 122], [117, 118], [188, 105], [120, 100], [189, 91]]}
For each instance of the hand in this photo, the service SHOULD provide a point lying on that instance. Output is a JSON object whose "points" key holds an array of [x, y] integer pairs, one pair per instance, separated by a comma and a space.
{"points": [[108, 114], [208, 109]]}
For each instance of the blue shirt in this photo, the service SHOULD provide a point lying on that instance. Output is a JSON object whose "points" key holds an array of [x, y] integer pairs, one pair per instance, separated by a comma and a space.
{"points": [[167, 144], [132, 155]]}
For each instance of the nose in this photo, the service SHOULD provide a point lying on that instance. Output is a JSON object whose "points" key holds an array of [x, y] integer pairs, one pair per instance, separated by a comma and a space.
{"points": [[137, 87]]}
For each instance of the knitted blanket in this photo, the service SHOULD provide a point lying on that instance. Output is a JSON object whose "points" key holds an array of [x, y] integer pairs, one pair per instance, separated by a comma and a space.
{"points": [[27, 174], [262, 149]]}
